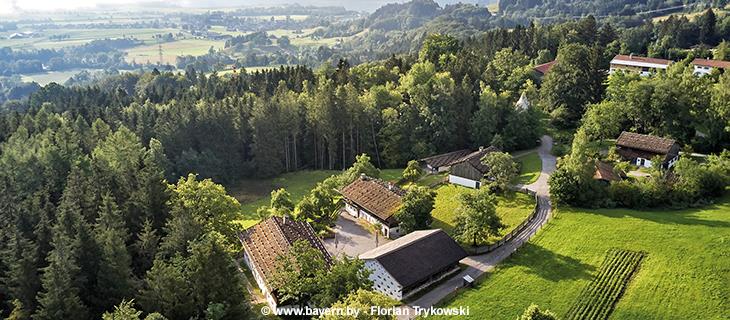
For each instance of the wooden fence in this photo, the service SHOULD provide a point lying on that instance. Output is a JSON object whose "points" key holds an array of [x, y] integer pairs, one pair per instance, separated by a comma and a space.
{"points": [[486, 249]]}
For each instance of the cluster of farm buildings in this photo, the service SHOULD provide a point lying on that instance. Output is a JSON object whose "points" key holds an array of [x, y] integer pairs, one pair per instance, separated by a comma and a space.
{"points": [[412, 262]]}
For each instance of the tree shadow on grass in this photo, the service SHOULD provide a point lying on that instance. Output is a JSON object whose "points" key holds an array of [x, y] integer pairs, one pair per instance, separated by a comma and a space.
{"points": [[665, 216], [549, 265]]}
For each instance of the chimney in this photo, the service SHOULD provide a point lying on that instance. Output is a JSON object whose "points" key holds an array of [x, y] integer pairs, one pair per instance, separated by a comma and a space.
{"points": [[390, 186], [631, 56], [481, 148], [363, 176], [284, 218]]}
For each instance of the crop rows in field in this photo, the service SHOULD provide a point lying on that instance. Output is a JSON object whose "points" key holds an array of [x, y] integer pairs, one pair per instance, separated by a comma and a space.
{"points": [[599, 297]]}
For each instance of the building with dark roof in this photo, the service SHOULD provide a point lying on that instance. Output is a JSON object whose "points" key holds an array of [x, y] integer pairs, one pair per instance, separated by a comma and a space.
{"points": [[374, 201], [469, 170], [442, 162], [411, 263], [640, 149], [264, 242]]}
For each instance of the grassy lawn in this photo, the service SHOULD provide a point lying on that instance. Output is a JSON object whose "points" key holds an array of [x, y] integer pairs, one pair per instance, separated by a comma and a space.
{"points": [[530, 167], [392, 175], [685, 274], [513, 210], [255, 193]]}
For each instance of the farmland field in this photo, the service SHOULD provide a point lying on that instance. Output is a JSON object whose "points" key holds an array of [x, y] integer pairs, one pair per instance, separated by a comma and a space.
{"points": [[171, 50], [513, 209], [597, 300], [684, 275], [80, 36]]}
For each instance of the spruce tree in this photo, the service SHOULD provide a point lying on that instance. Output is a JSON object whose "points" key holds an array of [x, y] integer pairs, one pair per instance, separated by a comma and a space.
{"points": [[62, 279], [114, 277]]}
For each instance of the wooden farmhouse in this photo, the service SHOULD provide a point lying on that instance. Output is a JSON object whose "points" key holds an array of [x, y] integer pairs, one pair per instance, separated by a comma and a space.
{"points": [[442, 162], [266, 241], [405, 266], [469, 170], [374, 201], [640, 149]]}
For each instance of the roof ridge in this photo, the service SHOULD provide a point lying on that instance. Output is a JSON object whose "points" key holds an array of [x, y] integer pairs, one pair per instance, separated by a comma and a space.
{"points": [[429, 233]]}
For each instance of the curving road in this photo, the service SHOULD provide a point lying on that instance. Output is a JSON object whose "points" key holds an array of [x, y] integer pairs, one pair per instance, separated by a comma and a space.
{"points": [[478, 265]]}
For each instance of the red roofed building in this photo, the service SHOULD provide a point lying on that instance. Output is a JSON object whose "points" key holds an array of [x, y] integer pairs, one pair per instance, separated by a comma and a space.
{"points": [[635, 64], [705, 66], [543, 69]]}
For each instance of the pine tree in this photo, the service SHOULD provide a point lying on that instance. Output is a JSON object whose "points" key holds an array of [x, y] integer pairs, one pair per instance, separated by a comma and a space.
{"points": [[114, 278]]}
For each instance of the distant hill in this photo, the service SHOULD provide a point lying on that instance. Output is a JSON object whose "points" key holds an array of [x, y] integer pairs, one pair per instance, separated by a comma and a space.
{"points": [[553, 8]]}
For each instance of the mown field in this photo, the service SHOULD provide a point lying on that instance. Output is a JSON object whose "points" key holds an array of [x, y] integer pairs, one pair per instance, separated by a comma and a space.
{"points": [[684, 275], [513, 209], [171, 50]]}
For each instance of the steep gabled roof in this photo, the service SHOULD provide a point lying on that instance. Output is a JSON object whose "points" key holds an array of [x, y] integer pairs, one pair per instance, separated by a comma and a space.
{"points": [[645, 142], [273, 237], [545, 67], [417, 255], [376, 196], [605, 171], [445, 159]]}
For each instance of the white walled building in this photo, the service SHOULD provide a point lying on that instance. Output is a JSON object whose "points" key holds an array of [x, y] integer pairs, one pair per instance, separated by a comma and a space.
{"points": [[703, 67], [405, 266], [636, 64], [375, 201], [469, 170], [264, 242], [640, 149]]}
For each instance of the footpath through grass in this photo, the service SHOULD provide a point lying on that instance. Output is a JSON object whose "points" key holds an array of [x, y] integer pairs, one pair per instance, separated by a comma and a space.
{"points": [[530, 167], [512, 209], [685, 274]]}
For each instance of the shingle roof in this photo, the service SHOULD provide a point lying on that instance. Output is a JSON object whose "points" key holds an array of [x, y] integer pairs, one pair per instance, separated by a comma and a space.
{"points": [[417, 255], [445, 159], [711, 63], [545, 67], [645, 142], [273, 237], [475, 158], [605, 171], [374, 195]]}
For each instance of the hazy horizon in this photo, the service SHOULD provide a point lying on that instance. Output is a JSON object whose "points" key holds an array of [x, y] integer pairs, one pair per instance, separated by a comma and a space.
{"points": [[16, 6]]}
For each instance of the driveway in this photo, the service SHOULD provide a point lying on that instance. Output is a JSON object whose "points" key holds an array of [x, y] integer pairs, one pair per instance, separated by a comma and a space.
{"points": [[351, 238], [478, 265]]}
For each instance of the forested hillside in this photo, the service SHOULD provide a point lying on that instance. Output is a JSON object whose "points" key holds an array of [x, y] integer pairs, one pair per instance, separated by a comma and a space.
{"points": [[99, 198]]}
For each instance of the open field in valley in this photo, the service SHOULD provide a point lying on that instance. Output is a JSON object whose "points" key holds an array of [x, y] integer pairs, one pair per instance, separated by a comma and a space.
{"points": [[171, 50], [683, 276]]}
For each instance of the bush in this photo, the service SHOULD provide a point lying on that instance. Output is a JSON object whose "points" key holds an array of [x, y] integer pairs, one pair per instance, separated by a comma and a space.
{"points": [[627, 194]]}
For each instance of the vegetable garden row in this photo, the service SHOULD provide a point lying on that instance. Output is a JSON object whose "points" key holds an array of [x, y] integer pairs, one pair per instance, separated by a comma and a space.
{"points": [[599, 297]]}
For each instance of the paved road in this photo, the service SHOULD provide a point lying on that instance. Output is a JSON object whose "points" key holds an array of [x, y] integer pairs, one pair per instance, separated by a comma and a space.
{"points": [[477, 265]]}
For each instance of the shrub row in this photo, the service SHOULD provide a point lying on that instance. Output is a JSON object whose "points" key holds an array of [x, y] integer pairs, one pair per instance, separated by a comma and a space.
{"points": [[599, 297]]}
